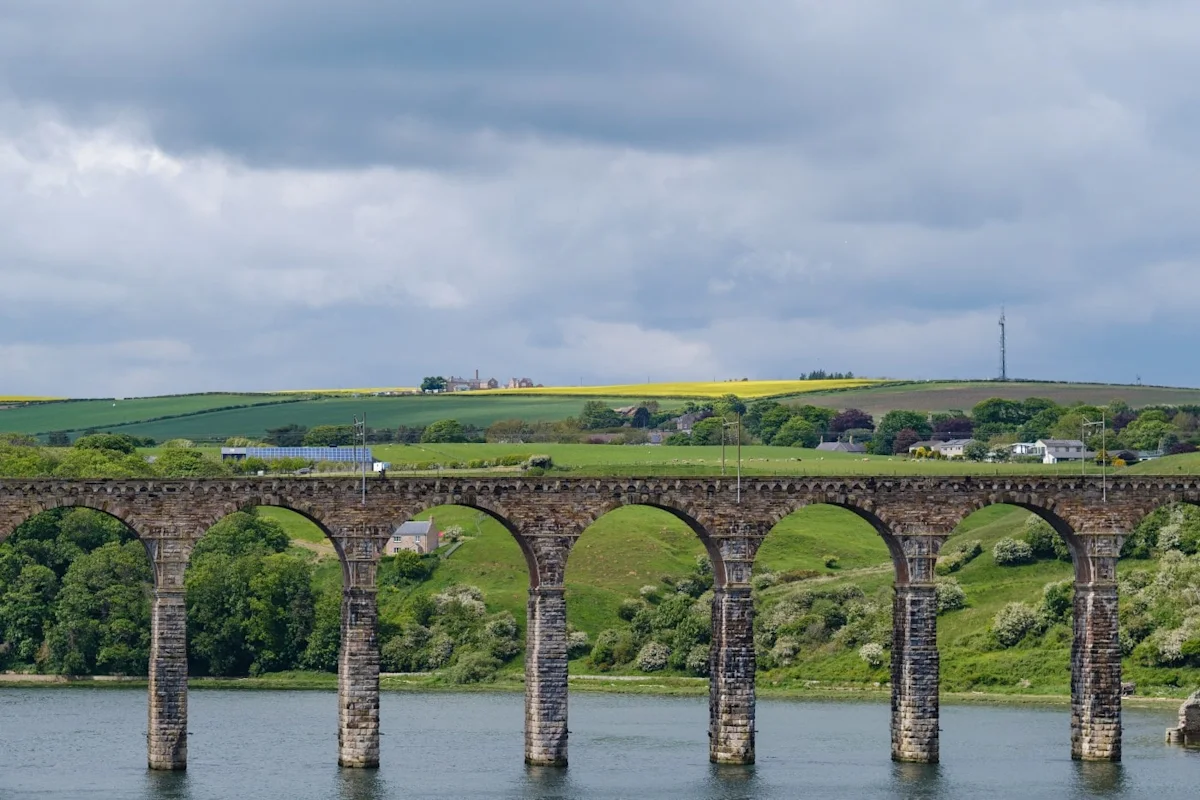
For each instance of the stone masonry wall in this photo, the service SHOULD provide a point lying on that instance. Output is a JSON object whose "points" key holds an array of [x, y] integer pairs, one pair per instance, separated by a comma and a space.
{"points": [[546, 678], [167, 730], [546, 515], [358, 681]]}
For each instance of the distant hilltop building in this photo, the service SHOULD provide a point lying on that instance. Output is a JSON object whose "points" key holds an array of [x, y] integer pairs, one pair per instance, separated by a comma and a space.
{"points": [[454, 384]]}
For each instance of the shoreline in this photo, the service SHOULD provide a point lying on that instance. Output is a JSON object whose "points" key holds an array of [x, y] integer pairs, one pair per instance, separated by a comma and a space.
{"points": [[599, 684]]}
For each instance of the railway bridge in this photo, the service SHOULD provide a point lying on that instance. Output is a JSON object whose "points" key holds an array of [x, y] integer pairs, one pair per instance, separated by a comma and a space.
{"points": [[546, 515]]}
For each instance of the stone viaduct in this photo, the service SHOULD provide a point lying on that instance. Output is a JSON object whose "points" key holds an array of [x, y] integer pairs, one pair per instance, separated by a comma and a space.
{"points": [[546, 516]]}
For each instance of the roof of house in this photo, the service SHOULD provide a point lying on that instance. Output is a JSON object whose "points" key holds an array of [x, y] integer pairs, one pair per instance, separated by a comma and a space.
{"points": [[415, 528], [928, 445], [956, 443], [842, 447], [1060, 442]]}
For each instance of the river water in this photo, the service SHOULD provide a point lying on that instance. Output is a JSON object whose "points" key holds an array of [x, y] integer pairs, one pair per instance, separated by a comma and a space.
{"points": [[90, 743]]}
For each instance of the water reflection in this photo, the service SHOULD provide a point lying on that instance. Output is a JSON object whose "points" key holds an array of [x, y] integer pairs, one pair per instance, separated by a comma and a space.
{"points": [[547, 783], [360, 784], [162, 785], [732, 782], [1100, 778], [917, 780]]}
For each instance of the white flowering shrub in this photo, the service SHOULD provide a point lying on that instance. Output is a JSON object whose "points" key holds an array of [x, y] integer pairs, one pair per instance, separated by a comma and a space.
{"points": [[1012, 622], [1012, 552], [950, 596], [872, 653], [653, 657]]}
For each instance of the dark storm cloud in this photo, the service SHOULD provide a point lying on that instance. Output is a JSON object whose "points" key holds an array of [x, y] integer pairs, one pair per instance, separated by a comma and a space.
{"points": [[307, 193]]}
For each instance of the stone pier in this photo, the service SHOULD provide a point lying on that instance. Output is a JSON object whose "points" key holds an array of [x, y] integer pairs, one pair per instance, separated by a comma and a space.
{"points": [[731, 677], [167, 730], [358, 680], [1188, 730], [1096, 675], [915, 673], [546, 678]]}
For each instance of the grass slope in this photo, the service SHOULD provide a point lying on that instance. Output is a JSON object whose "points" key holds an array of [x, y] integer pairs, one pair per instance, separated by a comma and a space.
{"points": [[947, 395], [636, 546], [84, 414], [381, 412]]}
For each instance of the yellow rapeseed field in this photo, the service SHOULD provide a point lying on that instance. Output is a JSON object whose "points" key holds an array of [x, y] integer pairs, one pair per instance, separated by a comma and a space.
{"points": [[749, 389], [23, 399]]}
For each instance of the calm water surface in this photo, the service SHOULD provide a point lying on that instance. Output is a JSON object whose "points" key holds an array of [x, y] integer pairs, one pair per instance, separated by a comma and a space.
{"points": [[90, 743]]}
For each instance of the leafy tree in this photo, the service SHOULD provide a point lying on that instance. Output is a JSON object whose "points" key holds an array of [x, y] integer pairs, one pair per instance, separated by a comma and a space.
{"points": [[181, 463], [282, 613], [892, 423], [904, 439], [953, 427], [25, 609], [598, 416], [325, 639], [730, 405], [641, 417], [329, 436], [772, 421], [102, 622], [851, 419], [433, 383], [819, 417], [286, 435], [101, 463], [752, 419], [977, 451], [708, 431], [999, 411], [444, 431], [117, 442], [797, 432]]}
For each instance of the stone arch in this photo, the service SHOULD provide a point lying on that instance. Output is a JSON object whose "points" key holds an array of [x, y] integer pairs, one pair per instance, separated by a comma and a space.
{"points": [[495, 511], [687, 513], [121, 513], [866, 511], [310, 512], [1046, 511]]}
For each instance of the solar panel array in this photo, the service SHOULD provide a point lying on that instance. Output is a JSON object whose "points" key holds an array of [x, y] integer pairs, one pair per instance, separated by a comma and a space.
{"points": [[346, 454]]}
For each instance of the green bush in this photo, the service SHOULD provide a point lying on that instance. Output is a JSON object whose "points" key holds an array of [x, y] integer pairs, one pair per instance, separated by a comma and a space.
{"points": [[950, 596], [653, 657], [474, 667], [831, 562], [1012, 552], [1044, 541], [629, 608], [958, 557], [1012, 622]]}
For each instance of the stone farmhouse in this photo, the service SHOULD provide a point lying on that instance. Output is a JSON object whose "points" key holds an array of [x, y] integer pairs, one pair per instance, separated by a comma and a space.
{"points": [[416, 536], [454, 384]]}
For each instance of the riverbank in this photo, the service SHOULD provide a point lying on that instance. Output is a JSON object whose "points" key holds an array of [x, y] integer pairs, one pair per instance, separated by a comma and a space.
{"points": [[662, 686]]}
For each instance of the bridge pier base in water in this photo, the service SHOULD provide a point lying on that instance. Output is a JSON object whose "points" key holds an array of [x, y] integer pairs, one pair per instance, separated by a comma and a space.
{"points": [[915, 673], [1096, 675], [358, 680], [731, 677], [546, 678], [167, 729]]}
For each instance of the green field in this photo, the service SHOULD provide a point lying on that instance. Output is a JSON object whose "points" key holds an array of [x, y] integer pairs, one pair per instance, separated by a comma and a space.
{"points": [[600, 460], [963, 395], [271, 411], [196, 416]]}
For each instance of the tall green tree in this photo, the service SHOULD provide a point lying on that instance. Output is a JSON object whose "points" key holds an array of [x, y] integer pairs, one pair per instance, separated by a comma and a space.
{"points": [[444, 431], [892, 423]]}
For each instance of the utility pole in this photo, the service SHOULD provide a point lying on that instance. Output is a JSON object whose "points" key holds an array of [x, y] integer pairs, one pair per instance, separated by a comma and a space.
{"points": [[1003, 348], [1103, 452], [360, 432]]}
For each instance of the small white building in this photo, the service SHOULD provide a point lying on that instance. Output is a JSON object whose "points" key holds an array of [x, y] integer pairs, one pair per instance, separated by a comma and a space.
{"points": [[955, 448], [417, 536], [1055, 450], [1026, 449]]}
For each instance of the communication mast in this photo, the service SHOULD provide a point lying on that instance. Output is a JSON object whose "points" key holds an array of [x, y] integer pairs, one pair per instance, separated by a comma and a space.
{"points": [[1003, 348]]}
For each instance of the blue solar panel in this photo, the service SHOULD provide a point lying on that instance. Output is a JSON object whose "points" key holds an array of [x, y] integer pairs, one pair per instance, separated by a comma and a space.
{"points": [[345, 454]]}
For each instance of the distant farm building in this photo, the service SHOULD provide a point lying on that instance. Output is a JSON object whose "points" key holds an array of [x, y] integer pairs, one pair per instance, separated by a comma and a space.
{"points": [[454, 384], [349, 455], [519, 383], [686, 422], [417, 536], [842, 447]]}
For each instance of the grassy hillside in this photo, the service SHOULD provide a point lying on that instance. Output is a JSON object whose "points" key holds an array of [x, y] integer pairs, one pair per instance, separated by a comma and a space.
{"points": [[947, 395], [635, 547], [143, 417]]}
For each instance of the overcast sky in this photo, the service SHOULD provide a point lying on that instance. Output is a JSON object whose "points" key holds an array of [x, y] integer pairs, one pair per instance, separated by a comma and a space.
{"points": [[204, 195]]}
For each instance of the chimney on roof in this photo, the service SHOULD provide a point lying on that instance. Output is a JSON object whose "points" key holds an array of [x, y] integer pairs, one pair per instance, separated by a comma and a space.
{"points": [[476, 374]]}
